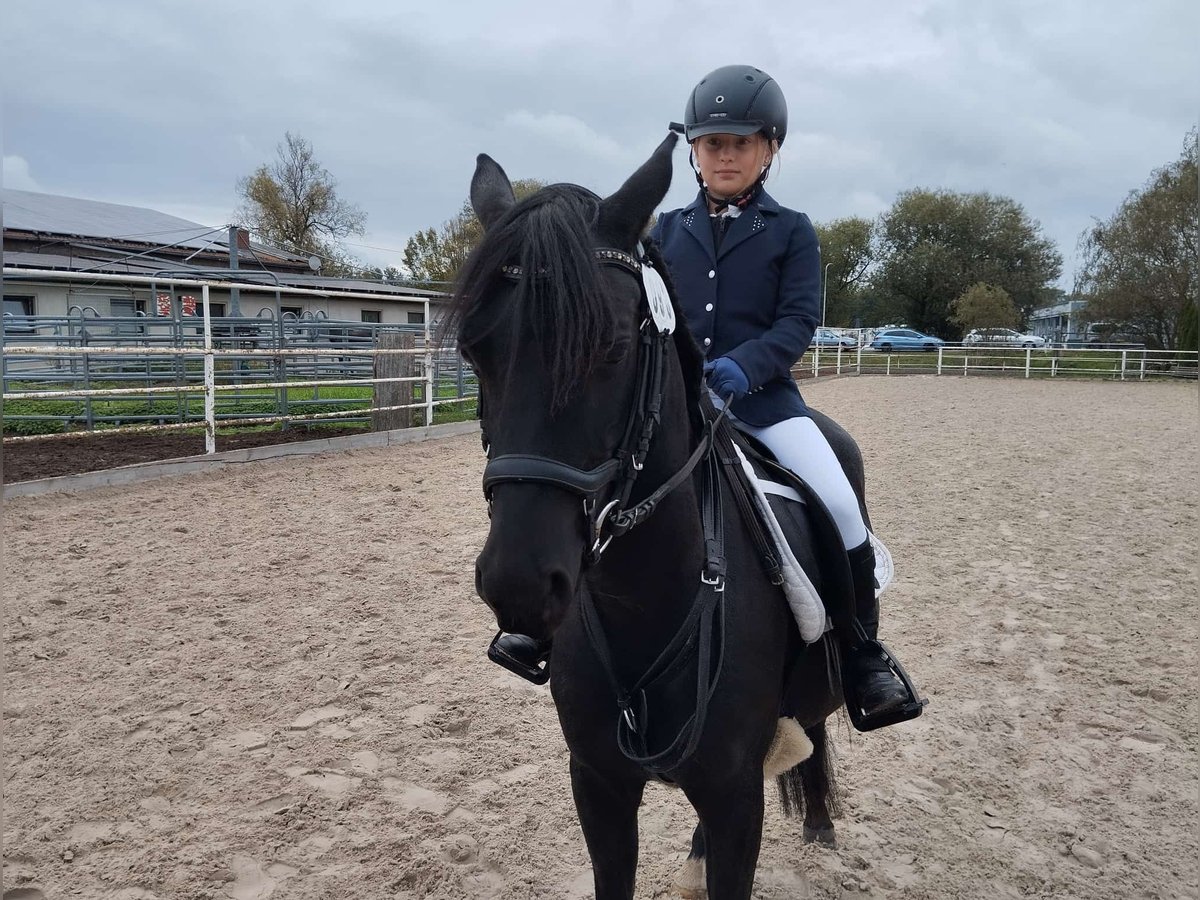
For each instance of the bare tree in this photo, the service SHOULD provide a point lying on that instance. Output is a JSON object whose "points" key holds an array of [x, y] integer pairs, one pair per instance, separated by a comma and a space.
{"points": [[293, 202], [434, 256]]}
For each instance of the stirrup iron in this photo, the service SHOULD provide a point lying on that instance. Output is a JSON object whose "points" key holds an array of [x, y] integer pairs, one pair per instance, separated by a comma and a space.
{"points": [[538, 673], [909, 709]]}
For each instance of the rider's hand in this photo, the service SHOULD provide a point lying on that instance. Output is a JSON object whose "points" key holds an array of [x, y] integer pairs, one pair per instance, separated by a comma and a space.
{"points": [[726, 379]]}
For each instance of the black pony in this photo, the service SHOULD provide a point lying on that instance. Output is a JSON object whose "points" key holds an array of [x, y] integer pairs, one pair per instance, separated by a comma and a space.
{"points": [[674, 657]]}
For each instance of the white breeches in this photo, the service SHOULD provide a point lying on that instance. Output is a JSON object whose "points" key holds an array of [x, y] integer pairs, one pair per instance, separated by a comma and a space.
{"points": [[798, 444]]}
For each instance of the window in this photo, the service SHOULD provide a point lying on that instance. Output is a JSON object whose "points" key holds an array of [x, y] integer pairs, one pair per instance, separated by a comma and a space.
{"points": [[372, 315], [295, 311], [416, 318], [17, 305], [126, 306]]}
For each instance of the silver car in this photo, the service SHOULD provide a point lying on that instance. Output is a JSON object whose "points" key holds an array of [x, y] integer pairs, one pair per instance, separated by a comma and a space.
{"points": [[1003, 336]]}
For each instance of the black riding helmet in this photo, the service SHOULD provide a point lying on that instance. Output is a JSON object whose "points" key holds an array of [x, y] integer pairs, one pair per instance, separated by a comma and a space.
{"points": [[736, 100]]}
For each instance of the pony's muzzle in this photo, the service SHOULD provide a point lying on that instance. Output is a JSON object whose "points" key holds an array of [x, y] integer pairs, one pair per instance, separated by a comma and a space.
{"points": [[525, 597]]}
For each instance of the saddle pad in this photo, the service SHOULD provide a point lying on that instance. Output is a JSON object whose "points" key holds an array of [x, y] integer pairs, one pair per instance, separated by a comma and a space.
{"points": [[802, 596]]}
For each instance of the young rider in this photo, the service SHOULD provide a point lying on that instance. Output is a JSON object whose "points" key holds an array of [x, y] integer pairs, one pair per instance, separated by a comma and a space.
{"points": [[747, 272]]}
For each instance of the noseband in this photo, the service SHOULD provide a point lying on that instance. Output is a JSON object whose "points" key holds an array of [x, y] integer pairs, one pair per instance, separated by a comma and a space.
{"points": [[613, 518]]}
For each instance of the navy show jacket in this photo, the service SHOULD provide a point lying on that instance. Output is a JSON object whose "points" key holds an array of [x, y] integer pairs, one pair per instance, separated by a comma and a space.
{"points": [[756, 301]]}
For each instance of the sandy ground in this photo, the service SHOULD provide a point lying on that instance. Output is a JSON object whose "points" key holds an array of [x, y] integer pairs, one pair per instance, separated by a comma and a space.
{"points": [[272, 683]]}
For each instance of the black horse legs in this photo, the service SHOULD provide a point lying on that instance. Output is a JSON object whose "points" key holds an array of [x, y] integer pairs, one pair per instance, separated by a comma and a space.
{"points": [[820, 800], [731, 819], [607, 811], [808, 788]]}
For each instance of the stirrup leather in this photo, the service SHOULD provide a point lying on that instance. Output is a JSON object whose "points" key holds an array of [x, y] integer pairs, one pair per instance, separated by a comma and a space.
{"points": [[909, 709], [537, 672]]}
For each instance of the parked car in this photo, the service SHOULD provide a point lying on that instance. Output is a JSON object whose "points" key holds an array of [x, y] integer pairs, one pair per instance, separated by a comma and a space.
{"points": [[891, 339], [1111, 334], [827, 337], [1004, 336]]}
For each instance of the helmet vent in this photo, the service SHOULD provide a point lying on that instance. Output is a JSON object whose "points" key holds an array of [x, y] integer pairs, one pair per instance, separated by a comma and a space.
{"points": [[720, 98]]}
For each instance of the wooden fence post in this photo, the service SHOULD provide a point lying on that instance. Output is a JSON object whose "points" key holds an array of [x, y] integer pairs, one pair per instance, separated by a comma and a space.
{"points": [[393, 365]]}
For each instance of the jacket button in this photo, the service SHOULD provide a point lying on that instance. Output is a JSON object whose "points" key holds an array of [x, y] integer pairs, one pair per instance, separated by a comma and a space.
{"points": [[708, 307], [707, 341], [712, 273]]}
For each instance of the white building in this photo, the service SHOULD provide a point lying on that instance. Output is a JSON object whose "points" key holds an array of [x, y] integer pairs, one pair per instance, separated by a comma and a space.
{"points": [[68, 257], [1062, 323]]}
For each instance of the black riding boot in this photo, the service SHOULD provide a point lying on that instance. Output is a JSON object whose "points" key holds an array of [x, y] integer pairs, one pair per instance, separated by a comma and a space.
{"points": [[522, 656], [877, 690]]}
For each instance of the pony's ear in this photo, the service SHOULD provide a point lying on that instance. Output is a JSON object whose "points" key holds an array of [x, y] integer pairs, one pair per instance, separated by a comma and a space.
{"points": [[491, 191], [625, 213]]}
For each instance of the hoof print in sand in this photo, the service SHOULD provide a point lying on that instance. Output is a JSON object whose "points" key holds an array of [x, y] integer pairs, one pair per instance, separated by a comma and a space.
{"points": [[328, 781], [307, 720], [275, 805], [415, 798]]}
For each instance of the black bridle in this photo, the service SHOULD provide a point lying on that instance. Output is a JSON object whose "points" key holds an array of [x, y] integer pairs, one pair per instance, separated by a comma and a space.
{"points": [[606, 489]]}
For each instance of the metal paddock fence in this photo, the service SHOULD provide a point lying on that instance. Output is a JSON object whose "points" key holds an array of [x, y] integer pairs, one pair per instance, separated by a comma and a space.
{"points": [[84, 374]]}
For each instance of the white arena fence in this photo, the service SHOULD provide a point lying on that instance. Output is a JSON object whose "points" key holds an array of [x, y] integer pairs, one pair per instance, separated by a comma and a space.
{"points": [[1118, 363], [149, 359]]}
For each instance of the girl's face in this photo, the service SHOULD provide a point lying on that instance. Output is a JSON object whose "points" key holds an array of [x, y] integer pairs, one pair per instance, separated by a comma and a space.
{"points": [[730, 163]]}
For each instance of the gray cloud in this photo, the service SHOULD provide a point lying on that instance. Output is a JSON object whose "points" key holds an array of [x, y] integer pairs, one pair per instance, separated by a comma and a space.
{"points": [[1065, 107]]}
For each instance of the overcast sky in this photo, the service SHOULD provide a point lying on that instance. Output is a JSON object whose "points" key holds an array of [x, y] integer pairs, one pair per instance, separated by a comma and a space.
{"points": [[1063, 105]]}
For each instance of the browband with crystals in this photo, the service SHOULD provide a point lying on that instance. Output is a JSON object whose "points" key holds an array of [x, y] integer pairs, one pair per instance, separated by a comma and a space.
{"points": [[604, 254]]}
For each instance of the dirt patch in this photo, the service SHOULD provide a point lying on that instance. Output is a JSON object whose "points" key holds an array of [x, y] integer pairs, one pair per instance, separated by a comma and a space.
{"points": [[27, 460], [269, 682]]}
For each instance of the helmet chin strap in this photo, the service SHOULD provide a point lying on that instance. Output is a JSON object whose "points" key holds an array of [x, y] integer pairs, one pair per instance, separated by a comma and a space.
{"points": [[741, 201]]}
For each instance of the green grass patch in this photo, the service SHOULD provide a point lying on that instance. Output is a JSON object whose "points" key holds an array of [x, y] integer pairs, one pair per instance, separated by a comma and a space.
{"points": [[51, 416]]}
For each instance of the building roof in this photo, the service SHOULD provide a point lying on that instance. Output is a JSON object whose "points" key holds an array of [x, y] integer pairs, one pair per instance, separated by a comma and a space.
{"points": [[77, 218], [52, 214], [89, 229]]}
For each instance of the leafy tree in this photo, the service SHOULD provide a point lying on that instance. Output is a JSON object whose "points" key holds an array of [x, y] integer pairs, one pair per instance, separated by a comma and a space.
{"points": [[934, 245], [293, 203], [1189, 329], [434, 256], [1142, 267], [847, 253], [985, 307]]}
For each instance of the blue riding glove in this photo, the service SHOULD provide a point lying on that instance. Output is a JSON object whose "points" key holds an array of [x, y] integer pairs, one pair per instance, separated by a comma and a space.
{"points": [[726, 379]]}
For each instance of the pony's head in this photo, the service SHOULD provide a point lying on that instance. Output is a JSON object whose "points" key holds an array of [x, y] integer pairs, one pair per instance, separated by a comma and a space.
{"points": [[550, 312]]}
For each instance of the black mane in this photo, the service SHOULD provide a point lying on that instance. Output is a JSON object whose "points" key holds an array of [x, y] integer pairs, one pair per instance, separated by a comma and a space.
{"points": [[559, 297]]}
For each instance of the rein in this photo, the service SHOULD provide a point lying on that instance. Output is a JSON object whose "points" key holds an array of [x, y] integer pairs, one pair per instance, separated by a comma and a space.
{"points": [[695, 635]]}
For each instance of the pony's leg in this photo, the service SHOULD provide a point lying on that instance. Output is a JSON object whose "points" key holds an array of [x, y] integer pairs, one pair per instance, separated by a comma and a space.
{"points": [[816, 777], [690, 879], [732, 819], [608, 815]]}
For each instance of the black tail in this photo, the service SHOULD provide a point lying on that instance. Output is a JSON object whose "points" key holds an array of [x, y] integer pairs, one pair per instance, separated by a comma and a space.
{"points": [[812, 784]]}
